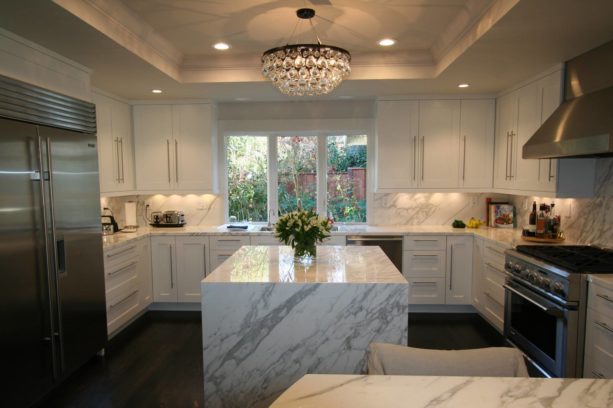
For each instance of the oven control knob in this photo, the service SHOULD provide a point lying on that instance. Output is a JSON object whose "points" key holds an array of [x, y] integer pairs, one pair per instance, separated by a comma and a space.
{"points": [[558, 288], [510, 265], [533, 276], [545, 282]]}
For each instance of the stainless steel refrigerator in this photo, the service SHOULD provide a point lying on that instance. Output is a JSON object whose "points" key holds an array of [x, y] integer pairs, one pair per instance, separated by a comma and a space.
{"points": [[52, 302]]}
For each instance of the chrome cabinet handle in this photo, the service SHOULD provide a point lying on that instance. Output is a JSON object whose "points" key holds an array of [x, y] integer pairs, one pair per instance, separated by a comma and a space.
{"points": [[550, 176], [605, 297], [123, 251], [424, 283], [451, 269], [168, 158], [424, 256], [604, 326], [511, 156], [172, 281], [493, 267], [122, 169], [425, 240], [134, 292], [506, 158], [464, 161], [495, 250], [414, 157], [177, 160], [116, 143], [128, 266], [423, 156]]}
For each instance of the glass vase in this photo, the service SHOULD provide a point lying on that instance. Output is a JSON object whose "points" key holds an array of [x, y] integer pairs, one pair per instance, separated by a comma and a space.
{"points": [[305, 252]]}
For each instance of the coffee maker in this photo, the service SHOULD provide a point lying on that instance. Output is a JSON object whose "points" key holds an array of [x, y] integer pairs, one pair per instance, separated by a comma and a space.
{"points": [[109, 225]]}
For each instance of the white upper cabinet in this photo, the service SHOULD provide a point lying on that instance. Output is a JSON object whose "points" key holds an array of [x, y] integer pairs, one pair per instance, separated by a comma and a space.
{"points": [[116, 164], [550, 97], [174, 148], [434, 144], [397, 133], [476, 143], [439, 129]]}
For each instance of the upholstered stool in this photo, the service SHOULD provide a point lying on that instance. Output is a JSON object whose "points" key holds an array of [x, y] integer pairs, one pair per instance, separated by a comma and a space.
{"points": [[391, 359]]}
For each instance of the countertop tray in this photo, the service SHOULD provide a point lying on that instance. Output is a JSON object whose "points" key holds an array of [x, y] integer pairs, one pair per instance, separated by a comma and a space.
{"points": [[543, 240], [164, 225]]}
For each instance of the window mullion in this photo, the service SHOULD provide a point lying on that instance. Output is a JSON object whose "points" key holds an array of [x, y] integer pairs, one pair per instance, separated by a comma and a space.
{"points": [[322, 169], [273, 197]]}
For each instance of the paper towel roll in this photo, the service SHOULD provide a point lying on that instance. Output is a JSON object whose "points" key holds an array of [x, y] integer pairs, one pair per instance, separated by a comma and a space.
{"points": [[130, 209]]}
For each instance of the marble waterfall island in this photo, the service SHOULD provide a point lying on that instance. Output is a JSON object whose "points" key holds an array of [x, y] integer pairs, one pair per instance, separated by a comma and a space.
{"points": [[267, 321]]}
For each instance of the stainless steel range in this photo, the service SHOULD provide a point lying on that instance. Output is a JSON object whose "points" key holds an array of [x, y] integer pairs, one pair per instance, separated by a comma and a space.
{"points": [[545, 302]]}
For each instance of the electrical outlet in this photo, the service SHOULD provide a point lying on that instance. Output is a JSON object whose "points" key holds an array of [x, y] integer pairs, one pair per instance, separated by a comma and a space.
{"points": [[475, 201], [525, 203]]}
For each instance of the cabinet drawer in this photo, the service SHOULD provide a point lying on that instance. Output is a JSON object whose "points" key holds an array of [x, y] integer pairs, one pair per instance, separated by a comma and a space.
{"points": [[493, 311], [265, 240], [119, 273], [218, 256], [229, 242], [601, 300], [426, 290], [335, 240], [122, 304], [599, 357], [494, 254], [424, 263], [425, 242], [120, 255], [494, 290]]}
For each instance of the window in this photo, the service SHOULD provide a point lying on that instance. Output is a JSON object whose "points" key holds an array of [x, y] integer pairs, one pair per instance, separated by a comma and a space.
{"points": [[247, 165], [297, 173], [283, 172], [346, 198]]}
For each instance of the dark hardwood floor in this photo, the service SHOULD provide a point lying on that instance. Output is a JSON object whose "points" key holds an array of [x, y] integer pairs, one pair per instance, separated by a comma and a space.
{"points": [[157, 361], [451, 331]]}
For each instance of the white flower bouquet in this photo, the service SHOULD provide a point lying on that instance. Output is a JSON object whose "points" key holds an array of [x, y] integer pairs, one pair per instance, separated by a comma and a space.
{"points": [[302, 230]]}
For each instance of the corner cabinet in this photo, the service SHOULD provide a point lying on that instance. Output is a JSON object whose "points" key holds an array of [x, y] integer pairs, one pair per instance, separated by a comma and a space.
{"points": [[434, 145], [175, 148], [115, 158], [459, 270], [518, 115]]}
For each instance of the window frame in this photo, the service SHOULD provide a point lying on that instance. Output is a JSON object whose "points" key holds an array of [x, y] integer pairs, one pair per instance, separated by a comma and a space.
{"points": [[322, 168]]}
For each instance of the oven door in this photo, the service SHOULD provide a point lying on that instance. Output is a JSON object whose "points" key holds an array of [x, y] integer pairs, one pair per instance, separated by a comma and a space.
{"points": [[543, 330]]}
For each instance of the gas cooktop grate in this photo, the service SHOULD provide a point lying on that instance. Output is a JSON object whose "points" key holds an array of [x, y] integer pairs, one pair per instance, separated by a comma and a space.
{"points": [[573, 258]]}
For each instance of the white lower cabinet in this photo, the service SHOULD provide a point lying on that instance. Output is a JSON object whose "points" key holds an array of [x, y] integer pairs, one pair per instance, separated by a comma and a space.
{"points": [[459, 270], [489, 277], [127, 283], [178, 266], [223, 246], [423, 264], [598, 357]]}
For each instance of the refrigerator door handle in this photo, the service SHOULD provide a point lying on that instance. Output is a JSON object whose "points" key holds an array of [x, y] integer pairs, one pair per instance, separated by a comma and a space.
{"points": [[55, 244], [52, 338], [61, 257]]}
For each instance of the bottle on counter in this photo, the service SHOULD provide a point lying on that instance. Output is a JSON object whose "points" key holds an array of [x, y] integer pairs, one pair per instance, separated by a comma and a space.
{"points": [[541, 218], [531, 231]]}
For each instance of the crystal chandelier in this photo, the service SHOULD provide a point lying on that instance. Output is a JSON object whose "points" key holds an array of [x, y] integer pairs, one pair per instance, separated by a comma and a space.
{"points": [[306, 69]]}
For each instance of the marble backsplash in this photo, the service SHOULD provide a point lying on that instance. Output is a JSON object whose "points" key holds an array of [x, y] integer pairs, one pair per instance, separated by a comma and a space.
{"points": [[206, 209], [584, 220]]}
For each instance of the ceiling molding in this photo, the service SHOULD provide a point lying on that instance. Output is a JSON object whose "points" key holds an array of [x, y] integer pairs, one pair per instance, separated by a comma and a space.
{"points": [[116, 21], [496, 10]]}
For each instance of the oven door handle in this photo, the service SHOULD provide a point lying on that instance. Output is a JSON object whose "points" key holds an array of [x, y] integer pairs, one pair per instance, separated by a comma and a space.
{"points": [[554, 311]]}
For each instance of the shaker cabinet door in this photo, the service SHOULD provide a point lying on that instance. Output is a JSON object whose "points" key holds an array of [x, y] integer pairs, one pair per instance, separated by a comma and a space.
{"points": [[164, 268], [476, 143], [191, 266]]}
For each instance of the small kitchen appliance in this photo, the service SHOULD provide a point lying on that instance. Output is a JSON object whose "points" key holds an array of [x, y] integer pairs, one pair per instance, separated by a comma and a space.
{"points": [[109, 225], [171, 218], [546, 300]]}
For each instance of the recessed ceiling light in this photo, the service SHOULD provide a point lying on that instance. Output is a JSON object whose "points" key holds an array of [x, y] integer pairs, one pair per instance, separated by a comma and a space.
{"points": [[221, 46], [156, 91], [463, 85], [386, 42]]}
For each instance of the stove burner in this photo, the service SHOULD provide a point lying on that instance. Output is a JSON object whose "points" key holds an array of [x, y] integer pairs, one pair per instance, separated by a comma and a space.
{"points": [[573, 258]]}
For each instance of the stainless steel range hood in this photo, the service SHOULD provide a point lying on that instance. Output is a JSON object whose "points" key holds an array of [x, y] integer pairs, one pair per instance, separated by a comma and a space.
{"points": [[583, 125]]}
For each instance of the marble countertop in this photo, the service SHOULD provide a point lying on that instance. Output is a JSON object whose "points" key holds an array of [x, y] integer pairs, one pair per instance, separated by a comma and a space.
{"points": [[504, 236], [360, 391], [333, 264]]}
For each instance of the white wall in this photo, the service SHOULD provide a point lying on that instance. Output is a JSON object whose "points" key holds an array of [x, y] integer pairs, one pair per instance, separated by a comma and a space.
{"points": [[29, 62]]}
